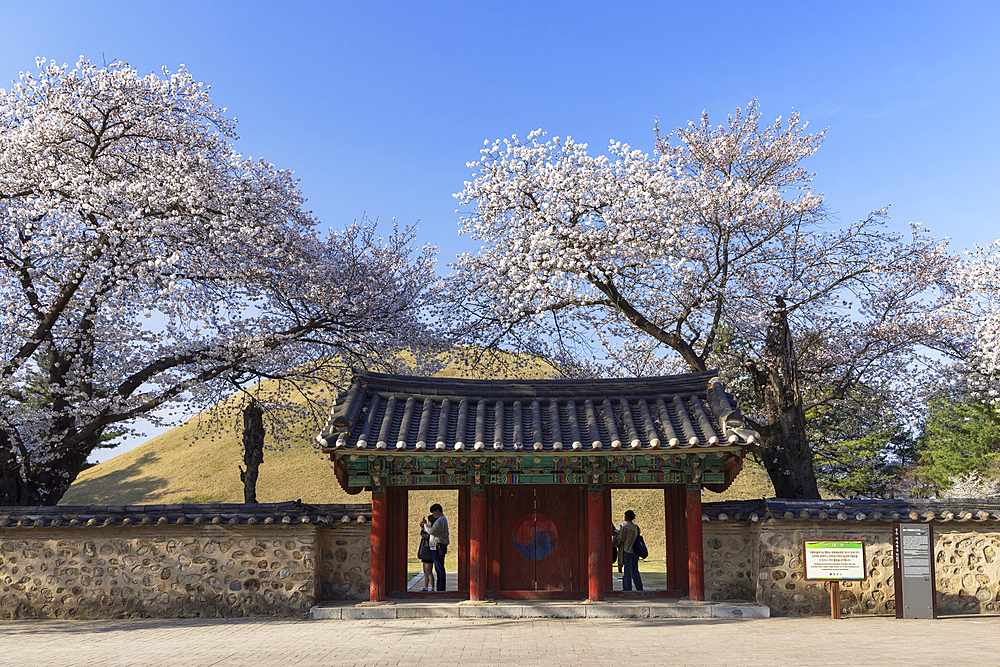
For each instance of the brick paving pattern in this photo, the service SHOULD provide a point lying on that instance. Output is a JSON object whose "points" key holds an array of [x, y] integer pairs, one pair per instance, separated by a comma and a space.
{"points": [[447, 642]]}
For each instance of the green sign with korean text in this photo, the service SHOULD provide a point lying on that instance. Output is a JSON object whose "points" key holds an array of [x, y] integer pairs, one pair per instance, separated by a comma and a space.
{"points": [[834, 560]]}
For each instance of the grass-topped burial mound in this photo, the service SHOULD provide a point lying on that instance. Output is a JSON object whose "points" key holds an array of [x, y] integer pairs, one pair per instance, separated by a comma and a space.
{"points": [[198, 462]]}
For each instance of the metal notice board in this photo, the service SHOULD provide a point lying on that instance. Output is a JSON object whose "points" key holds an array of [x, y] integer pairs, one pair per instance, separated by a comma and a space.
{"points": [[913, 564]]}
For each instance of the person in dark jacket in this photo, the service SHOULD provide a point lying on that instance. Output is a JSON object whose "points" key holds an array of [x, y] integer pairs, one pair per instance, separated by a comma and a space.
{"points": [[426, 557]]}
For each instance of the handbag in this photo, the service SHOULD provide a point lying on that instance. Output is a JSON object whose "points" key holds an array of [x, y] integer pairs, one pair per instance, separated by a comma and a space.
{"points": [[639, 547], [424, 550]]}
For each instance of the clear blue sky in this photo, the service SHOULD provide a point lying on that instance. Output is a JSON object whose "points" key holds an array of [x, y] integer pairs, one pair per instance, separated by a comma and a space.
{"points": [[378, 106]]}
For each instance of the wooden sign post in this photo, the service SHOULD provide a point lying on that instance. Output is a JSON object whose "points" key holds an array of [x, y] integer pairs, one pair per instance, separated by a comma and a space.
{"points": [[834, 561]]}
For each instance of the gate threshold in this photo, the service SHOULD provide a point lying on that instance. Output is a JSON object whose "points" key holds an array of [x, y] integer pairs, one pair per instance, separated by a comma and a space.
{"points": [[653, 608]]}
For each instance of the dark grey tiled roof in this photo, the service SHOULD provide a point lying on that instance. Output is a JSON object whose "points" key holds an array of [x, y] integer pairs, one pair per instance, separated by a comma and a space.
{"points": [[410, 414], [227, 514], [878, 511]]}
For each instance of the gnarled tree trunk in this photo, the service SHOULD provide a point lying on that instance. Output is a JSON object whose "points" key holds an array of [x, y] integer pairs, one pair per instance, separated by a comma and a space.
{"points": [[253, 449], [784, 447]]}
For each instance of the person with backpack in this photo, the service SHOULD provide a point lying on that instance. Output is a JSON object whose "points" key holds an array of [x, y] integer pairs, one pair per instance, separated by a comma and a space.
{"points": [[627, 540]]}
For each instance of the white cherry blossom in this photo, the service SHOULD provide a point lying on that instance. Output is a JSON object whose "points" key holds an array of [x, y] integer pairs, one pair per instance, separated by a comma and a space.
{"points": [[978, 283], [145, 261], [713, 252]]}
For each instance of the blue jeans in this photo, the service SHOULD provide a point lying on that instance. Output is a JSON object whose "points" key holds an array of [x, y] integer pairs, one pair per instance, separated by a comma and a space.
{"points": [[631, 563], [440, 581]]}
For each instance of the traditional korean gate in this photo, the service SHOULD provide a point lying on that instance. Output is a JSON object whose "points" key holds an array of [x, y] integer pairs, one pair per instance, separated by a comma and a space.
{"points": [[538, 538], [534, 462]]}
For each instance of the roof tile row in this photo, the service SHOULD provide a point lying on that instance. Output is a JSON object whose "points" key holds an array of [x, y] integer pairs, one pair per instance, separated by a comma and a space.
{"points": [[872, 511], [230, 514], [419, 414]]}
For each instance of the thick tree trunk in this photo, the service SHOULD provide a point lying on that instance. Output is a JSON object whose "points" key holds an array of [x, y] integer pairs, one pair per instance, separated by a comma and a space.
{"points": [[41, 484], [13, 490], [48, 483], [253, 449], [788, 458], [784, 448]]}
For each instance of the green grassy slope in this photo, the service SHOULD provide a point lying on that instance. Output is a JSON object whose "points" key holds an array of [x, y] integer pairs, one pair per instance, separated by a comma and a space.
{"points": [[198, 461]]}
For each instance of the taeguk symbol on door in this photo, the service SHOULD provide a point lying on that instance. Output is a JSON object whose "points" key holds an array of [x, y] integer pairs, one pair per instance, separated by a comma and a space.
{"points": [[535, 537]]}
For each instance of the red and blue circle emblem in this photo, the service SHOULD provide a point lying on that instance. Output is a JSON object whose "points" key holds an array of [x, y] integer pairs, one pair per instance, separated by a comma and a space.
{"points": [[535, 537]]}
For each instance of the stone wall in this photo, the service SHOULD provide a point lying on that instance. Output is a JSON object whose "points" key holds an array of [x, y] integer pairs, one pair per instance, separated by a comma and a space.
{"points": [[171, 572], [344, 566], [776, 574], [278, 560], [730, 562], [755, 553], [967, 569], [180, 561]]}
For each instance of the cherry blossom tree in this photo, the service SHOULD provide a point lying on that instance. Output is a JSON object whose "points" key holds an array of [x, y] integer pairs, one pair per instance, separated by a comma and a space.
{"points": [[974, 485], [713, 252], [144, 263], [977, 303], [960, 443]]}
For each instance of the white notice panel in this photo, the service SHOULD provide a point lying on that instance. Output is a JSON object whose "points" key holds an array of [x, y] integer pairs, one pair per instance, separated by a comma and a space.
{"points": [[916, 548], [834, 560]]}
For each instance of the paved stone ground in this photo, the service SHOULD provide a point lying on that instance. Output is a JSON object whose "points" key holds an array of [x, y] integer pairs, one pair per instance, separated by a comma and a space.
{"points": [[445, 642]]}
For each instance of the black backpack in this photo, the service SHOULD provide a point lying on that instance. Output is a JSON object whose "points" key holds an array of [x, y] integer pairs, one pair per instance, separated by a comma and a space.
{"points": [[639, 547]]}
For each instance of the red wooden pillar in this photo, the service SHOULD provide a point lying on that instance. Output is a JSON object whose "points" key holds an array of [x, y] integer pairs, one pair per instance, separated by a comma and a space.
{"points": [[597, 541], [403, 527], [463, 538], [675, 508], [494, 520], [397, 514], [608, 566], [477, 543], [378, 546], [696, 556]]}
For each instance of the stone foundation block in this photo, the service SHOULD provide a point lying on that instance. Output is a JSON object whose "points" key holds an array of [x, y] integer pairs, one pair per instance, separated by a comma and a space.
{"points": [[680, 611], [617, 611], [740, 611], [358, 613]]}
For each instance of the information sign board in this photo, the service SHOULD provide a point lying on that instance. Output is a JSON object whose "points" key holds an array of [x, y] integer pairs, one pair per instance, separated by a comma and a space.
{"points": [[913, 557], [834, 560]]}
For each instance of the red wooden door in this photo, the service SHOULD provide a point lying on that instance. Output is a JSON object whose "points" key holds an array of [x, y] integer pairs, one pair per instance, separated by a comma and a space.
{"points": [[539, 538], [516, 572]]}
